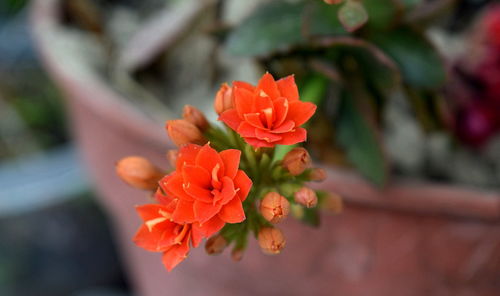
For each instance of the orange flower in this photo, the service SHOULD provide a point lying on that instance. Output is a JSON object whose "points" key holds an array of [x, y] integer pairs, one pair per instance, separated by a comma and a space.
{"points": [[207, 186], [268, 114], [160, 234]]}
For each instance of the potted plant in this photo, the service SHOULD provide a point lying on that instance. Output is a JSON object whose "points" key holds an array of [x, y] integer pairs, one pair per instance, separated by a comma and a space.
{"points": [[397, 236]]}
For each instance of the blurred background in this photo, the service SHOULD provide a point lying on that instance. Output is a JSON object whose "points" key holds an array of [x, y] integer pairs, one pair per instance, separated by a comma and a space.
{"points": [[56, 240], [157, 55]]}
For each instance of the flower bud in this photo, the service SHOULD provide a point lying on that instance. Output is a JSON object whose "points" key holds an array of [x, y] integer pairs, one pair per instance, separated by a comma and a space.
{"points": [[237, 254], [139, 172], [274, 207], [333, 203], [296, 161], [306, 197], [196, 117], [184, 132], [223, 99], [317, 175], [271, 240], [215, 245], [172, 156]]}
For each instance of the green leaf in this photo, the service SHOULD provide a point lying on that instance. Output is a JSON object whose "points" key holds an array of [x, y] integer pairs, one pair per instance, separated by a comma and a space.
{"points": [[420, 64], [322, 19], [273, 26], [353, 15], [382, 13], [359, 140]]}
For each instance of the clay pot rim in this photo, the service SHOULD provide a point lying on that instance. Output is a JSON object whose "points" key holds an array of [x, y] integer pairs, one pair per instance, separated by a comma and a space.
{"points": [[401, 195]]}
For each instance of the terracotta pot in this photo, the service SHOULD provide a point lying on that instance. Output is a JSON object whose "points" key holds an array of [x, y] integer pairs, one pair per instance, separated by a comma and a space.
{"points": [[410, 239]]}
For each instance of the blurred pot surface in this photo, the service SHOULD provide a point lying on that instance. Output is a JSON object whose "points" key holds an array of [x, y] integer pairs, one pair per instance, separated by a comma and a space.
{"points": [[384, 243]]}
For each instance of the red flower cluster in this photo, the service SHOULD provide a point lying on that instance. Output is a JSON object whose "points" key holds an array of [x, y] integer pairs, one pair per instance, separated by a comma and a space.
{"points": [[267, 114], [477, 119], [205, 191]]}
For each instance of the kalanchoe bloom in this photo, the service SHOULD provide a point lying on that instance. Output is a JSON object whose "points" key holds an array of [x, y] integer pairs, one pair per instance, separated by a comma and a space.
{"points": [[160, 234], [271, 240], [224, 99], [269, 113], [306, 197], [183, 132], [215, 245], [207, 186], [139, 172], [296, 161], [196, 117], [274, 207]]}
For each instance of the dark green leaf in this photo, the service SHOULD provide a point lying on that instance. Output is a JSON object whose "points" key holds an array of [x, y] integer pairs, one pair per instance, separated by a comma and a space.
{"points": [[381, 13], [420, 64], [273, 26], [359, 140], [322, 19]]}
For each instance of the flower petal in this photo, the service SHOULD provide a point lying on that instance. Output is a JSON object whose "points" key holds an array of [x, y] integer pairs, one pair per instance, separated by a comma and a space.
{"points": [[243, 183], [228, 191], [231, 118], [232, 212], [299, 135], [285, 127], [157, 239], [281, 110], [246, 130], [196, 175], [183, 212], [175, 255], [269, 86], [187, 155], [206, 229], [150, 211], [256, 143], [208, 158], [205, 211], [198, 193], [254, 120], [267, 136], [288, 88], [243, 84], [231, 160], [175, 187], [300, 112], [243, 101]]}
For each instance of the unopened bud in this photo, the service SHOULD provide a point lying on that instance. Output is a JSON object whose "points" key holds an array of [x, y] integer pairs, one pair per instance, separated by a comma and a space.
{"points": [[215, 245], [196, 117], [306, 197], [274, 207], [139, 172], [333, 203], [224, 99], [296, 161], [271, 240], [333, 1], [184, 132], [237, 254], [172, 156], [317, 175], [297, 211]]}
